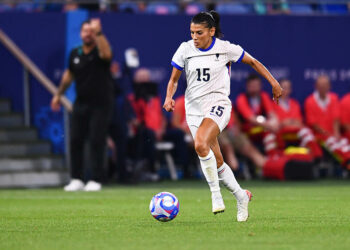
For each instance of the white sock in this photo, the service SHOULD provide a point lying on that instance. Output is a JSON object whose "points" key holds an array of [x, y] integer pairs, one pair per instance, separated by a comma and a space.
{"points": [[227, 178], [208, 164]]}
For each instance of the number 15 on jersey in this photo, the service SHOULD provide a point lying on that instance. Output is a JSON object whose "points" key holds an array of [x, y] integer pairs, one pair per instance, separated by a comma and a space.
{"points": [[203, 74], [219, 110]]}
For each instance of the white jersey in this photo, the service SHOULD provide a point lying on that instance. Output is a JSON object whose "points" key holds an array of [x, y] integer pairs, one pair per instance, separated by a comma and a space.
{"points": [[207, 72]]}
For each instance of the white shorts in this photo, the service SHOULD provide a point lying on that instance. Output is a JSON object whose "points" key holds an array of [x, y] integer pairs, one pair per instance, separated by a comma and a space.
{"points": [[219, 113]]}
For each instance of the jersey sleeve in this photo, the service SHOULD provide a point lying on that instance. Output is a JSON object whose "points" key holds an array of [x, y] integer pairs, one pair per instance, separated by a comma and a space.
{"points": [[235, 52], [178, 60]]}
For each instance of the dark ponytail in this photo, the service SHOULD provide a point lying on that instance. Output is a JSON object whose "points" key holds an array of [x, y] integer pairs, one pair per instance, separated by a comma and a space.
{"points": [[210, 19], [216, 16]]}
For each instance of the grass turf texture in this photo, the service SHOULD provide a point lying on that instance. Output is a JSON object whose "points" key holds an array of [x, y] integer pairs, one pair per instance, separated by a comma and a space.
{"points": [[301, 215]]}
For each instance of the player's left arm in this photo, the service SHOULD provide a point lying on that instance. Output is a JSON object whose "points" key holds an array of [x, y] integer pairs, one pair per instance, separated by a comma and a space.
{"points": [[102, 43], [262, 70]]}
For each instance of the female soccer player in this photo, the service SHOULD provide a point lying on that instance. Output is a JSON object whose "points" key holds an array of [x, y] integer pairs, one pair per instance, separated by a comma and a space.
{"points": [[207, 61]]}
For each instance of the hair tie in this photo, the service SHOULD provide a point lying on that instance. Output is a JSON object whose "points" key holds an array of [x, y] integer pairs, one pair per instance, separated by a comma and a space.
{"points": [[209, 14]]}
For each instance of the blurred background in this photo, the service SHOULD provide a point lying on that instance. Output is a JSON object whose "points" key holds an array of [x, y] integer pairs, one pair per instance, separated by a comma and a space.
{"points": [[299, 40]]}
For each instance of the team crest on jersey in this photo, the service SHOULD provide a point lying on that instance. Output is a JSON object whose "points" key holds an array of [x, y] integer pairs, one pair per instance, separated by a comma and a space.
{"points": [[217, 57]]}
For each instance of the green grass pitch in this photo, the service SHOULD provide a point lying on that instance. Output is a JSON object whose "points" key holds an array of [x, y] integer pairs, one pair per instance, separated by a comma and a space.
{"points": [[290, 215]]}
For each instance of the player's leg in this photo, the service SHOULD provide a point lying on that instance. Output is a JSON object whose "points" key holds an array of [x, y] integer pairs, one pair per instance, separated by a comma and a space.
{"points": [[204, 137], [78, 134], [227, 178], [98, 130]]}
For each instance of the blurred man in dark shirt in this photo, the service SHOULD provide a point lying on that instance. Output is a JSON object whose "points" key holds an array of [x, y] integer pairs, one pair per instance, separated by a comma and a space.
{"points": [[89, 67]]}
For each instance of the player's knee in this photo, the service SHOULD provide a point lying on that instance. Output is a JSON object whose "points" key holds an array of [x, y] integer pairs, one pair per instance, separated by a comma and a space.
{"points": [[201, 147]]}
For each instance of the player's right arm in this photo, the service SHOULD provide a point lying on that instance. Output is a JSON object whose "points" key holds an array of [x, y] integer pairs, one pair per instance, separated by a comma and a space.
{"points": [[263, 71], [169, 103], [66, 81]]}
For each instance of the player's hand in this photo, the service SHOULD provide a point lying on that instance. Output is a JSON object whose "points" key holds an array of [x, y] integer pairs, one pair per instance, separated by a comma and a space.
{"points": [[95, 25], [276, 92], [56, 103], [169, 104]]}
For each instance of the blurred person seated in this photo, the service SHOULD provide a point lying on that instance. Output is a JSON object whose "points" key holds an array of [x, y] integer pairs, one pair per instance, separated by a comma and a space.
{"points": [[322, 111], [122, 119], [232, 140], [345, 115], [182, 132], [149, 125], [256, 114], [292, 130], [285, 165]]}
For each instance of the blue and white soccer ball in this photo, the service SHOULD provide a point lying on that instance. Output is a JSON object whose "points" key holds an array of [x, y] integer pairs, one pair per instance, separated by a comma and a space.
{"points": [[164, 206]]}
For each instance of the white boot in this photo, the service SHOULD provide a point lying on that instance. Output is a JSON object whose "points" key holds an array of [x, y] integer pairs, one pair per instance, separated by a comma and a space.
{"points": [[93, 186], [208, 165], [242, 207], [74, 185], [218, 205]]}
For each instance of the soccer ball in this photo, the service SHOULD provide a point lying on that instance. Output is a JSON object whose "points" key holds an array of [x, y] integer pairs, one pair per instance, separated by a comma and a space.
{"points": [[164, 206]]}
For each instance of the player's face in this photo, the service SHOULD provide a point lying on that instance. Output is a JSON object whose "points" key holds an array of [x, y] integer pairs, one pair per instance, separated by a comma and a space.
{"points": [[323, 85], [201, 35], [287, 88], [87, 34], [253, 87]]}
